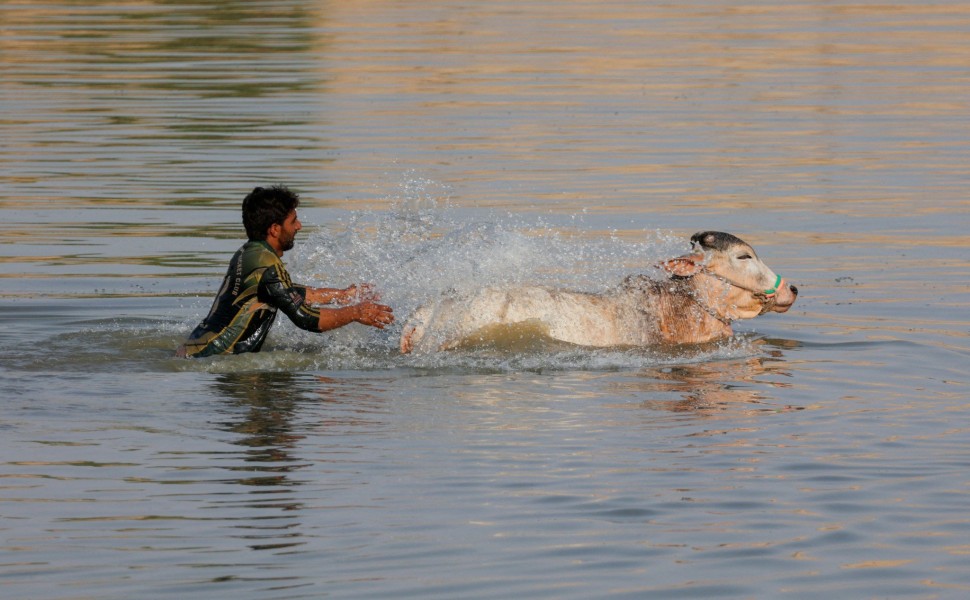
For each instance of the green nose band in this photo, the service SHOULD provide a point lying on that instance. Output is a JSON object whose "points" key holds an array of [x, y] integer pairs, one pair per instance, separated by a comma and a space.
{"points": [[774, 290]]}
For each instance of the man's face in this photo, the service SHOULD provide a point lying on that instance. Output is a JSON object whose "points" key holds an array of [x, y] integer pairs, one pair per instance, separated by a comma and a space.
{"points": [[288, 230]]}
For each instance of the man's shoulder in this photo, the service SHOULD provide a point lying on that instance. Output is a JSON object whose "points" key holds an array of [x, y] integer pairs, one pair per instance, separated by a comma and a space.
{"points": [[259, 254], [255, 258]]}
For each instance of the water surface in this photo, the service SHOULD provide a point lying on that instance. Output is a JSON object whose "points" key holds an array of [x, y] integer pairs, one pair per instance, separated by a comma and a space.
{"points": [[456, 144]]}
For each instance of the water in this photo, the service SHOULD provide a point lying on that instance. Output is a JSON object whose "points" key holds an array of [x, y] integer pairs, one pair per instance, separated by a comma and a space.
{"points": [[452, 144]]}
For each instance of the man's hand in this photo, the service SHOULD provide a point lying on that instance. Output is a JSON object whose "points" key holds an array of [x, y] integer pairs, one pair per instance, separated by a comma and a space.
{"points": [[373, 314]]}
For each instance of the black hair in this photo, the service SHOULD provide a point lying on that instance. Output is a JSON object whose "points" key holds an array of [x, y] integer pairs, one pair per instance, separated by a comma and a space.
{"points": [[714, 240], [263, 207]]}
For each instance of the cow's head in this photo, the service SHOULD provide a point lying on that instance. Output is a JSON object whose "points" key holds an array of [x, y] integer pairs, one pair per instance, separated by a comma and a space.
{"points": [[730, 278]]}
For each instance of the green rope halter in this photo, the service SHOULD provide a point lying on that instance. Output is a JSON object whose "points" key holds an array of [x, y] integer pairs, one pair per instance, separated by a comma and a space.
{"points": [[773, 290]]}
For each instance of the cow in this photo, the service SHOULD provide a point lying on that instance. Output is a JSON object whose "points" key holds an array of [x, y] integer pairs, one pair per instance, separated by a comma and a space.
{"points": [[720, 281]]}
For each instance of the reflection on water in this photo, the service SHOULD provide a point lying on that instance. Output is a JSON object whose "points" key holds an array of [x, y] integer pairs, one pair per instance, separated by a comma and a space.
{"points": [[710, 387], [274, 484], [818, 453], [128, 103], [266, 427], [710, 107]]}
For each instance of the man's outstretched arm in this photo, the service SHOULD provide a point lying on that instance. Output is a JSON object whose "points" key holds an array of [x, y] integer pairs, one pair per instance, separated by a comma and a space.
{"points": [[295, 302], [350, 295], [367, 313]]}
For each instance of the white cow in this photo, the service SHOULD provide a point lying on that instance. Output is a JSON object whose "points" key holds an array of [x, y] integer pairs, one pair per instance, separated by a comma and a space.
{"points": [[721, 281]]}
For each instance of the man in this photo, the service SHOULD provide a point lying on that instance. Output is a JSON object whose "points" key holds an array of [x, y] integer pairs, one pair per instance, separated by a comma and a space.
{"points": [[257, 285]]}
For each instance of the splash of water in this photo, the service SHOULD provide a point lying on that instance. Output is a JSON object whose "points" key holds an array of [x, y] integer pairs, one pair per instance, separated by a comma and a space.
{"points": [[423, 247]]}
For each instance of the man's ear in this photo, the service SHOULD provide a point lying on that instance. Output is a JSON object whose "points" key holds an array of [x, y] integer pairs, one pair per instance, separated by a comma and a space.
{"points": [[683, 266]]}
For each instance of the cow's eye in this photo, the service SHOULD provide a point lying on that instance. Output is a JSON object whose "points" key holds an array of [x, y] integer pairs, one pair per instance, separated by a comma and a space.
{"points": [[744, 257]]}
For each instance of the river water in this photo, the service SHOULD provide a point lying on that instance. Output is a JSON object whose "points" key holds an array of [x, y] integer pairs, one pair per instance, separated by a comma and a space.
{"points": [[447, 145]]}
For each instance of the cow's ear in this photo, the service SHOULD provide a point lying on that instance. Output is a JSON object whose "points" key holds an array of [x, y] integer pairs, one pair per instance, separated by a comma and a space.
{"points": [[683, 266]]}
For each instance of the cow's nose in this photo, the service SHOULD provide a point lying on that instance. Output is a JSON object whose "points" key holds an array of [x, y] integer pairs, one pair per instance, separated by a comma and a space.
{"points": [[793, 289]]}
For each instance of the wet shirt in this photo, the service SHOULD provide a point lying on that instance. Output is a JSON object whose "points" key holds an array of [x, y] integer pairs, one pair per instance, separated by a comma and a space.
{"points": [[255, 287]]}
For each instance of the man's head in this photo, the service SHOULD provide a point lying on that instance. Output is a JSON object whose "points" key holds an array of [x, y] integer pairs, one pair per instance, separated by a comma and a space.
{"points": [[265, 207]]}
